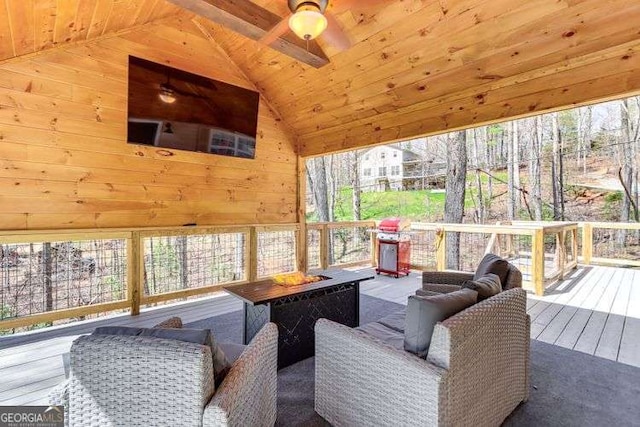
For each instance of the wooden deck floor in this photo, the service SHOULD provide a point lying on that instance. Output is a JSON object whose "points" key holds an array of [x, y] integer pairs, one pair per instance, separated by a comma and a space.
{"points": [[596, 310]]}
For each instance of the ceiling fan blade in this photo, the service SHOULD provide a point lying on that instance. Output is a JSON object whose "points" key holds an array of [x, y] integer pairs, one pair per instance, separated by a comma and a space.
{"points": [[276, 32], [344, 5], [334, 35]]}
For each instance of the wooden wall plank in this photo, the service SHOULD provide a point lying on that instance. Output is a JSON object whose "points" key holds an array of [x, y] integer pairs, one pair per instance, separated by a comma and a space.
{"points": [[65, 162]]}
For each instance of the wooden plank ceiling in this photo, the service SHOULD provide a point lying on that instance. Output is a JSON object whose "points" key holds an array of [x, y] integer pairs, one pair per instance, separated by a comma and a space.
{"points": [[30, 26], [416, 67]]}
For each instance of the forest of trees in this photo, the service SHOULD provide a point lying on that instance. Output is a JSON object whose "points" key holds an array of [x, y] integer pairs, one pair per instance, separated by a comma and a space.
{"points": [[578, 164]]}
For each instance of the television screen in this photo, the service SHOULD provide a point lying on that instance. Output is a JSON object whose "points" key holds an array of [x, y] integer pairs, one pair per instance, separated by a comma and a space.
{"points": [[170, 108]]}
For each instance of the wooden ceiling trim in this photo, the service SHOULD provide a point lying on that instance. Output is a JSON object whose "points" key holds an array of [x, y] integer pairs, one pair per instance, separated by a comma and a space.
{"points": [[445, 57], [21, 24], [101, 13], [29, 26], [374, 97], [617, 77], [398, 42], [44, 19], [253, 21], [484, 115], [6, 39], [553, 48], [555, 76], [266, 67], [65, 30], [124, 16]]}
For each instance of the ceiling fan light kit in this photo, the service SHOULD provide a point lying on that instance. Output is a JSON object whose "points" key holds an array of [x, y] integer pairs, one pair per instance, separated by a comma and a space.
{"points": [[166, 95], [308, 20]]}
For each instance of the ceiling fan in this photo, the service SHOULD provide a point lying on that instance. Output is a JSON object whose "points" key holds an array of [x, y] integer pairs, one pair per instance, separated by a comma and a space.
{"points": [[313, 18]]}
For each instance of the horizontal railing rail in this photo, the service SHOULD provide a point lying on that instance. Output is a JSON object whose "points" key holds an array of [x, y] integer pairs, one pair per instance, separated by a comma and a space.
{"points": [[50, 275], [610, 243]]}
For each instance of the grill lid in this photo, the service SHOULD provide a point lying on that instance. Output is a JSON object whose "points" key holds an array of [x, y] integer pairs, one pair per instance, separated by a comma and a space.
{"points": [[394, 225]]}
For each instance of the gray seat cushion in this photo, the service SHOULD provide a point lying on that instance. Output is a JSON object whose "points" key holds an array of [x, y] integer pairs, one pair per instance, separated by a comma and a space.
{"points": [[486, 286], [232, 350], [492, 263], [385, 334], [424, 312], [395, 320], [221, 364]]}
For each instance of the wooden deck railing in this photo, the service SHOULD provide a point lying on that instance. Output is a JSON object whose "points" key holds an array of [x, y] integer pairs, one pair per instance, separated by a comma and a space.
{"points": [[544, 252], [50, 275]]}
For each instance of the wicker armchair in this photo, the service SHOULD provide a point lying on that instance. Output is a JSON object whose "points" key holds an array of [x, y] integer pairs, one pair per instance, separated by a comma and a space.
{"points": [[141, 381], [475, 374], [449, 281]]}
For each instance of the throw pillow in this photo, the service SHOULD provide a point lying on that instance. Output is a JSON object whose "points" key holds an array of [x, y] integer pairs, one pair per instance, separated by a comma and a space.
{"points": [[172, 322], [493, 264], [486, 286], [424, 312], [221, 364]]}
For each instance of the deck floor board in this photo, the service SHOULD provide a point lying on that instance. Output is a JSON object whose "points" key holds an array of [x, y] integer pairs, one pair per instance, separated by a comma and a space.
{"points": [[595, 310]]}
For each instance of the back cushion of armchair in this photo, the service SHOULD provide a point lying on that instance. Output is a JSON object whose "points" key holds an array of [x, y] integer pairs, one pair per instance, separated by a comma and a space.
{"points": [[138, 381], [484, 349]]}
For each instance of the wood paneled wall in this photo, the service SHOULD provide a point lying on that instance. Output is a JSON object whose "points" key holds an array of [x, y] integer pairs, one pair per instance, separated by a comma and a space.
{"points": [[65, 162]]}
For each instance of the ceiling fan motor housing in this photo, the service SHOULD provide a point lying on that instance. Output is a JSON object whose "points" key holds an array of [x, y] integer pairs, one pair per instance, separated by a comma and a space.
{"points": [[320, 4]]}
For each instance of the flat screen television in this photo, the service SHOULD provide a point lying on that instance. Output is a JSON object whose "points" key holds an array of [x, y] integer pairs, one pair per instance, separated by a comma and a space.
{"points": [[174, 109]]}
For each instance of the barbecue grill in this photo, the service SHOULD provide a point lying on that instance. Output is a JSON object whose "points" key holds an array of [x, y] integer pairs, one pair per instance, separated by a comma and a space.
{"points": [[394, 247]]}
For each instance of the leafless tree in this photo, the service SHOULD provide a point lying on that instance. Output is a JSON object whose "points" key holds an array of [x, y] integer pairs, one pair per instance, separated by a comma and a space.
{"points": [[557, 170], [455, 193]]}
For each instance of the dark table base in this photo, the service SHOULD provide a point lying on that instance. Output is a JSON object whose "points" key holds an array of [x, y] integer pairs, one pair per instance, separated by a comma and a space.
{"points": [[296, 317]]}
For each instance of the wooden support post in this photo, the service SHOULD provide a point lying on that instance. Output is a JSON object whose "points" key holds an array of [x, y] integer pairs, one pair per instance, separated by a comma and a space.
{"points": [[324, 247], [374, 248], [441, 250], [574, 245], [561, 253], [587, 243], [537, 261], [253, 254], [135, 271], [301, 201]]}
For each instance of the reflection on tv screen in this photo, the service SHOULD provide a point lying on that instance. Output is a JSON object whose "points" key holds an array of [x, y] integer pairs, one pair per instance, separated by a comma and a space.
{"points": [[173, 109]]}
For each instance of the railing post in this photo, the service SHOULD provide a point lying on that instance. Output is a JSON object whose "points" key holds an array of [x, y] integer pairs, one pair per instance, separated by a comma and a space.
{"points": [[135, 269], [441, 250], [324, 247], [561, 255], [374, 248], [301, 241], [537, 261], [253, 254], [574, 245], [301, 213], [587, 243]]}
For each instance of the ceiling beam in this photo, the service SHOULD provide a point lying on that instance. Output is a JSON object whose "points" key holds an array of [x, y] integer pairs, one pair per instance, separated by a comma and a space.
{"points": [[253, 21]]}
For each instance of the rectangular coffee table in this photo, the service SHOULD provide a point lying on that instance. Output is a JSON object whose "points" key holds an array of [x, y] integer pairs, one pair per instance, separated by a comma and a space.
{"points": [[295, 309]]}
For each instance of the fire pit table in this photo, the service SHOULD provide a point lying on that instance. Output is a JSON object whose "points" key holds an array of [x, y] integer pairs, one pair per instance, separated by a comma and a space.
{"points": [[296, 308]]}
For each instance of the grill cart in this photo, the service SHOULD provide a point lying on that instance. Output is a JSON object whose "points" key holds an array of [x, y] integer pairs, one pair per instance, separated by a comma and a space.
{"points": [[394, 247]]}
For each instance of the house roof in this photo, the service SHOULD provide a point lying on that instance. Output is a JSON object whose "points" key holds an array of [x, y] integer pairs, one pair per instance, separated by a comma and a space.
{"points": [[406, 152], [415, 67]]}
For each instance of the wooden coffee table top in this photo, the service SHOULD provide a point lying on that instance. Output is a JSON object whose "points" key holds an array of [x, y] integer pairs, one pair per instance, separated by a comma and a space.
{"points": [[265, 291]]}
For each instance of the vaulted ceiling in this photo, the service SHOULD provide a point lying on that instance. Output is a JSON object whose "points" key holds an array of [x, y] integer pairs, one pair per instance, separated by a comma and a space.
{"points": [[416, 67]]}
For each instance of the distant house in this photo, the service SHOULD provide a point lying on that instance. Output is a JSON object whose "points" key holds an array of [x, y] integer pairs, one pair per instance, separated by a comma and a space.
{"points": [[386, 168]]}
